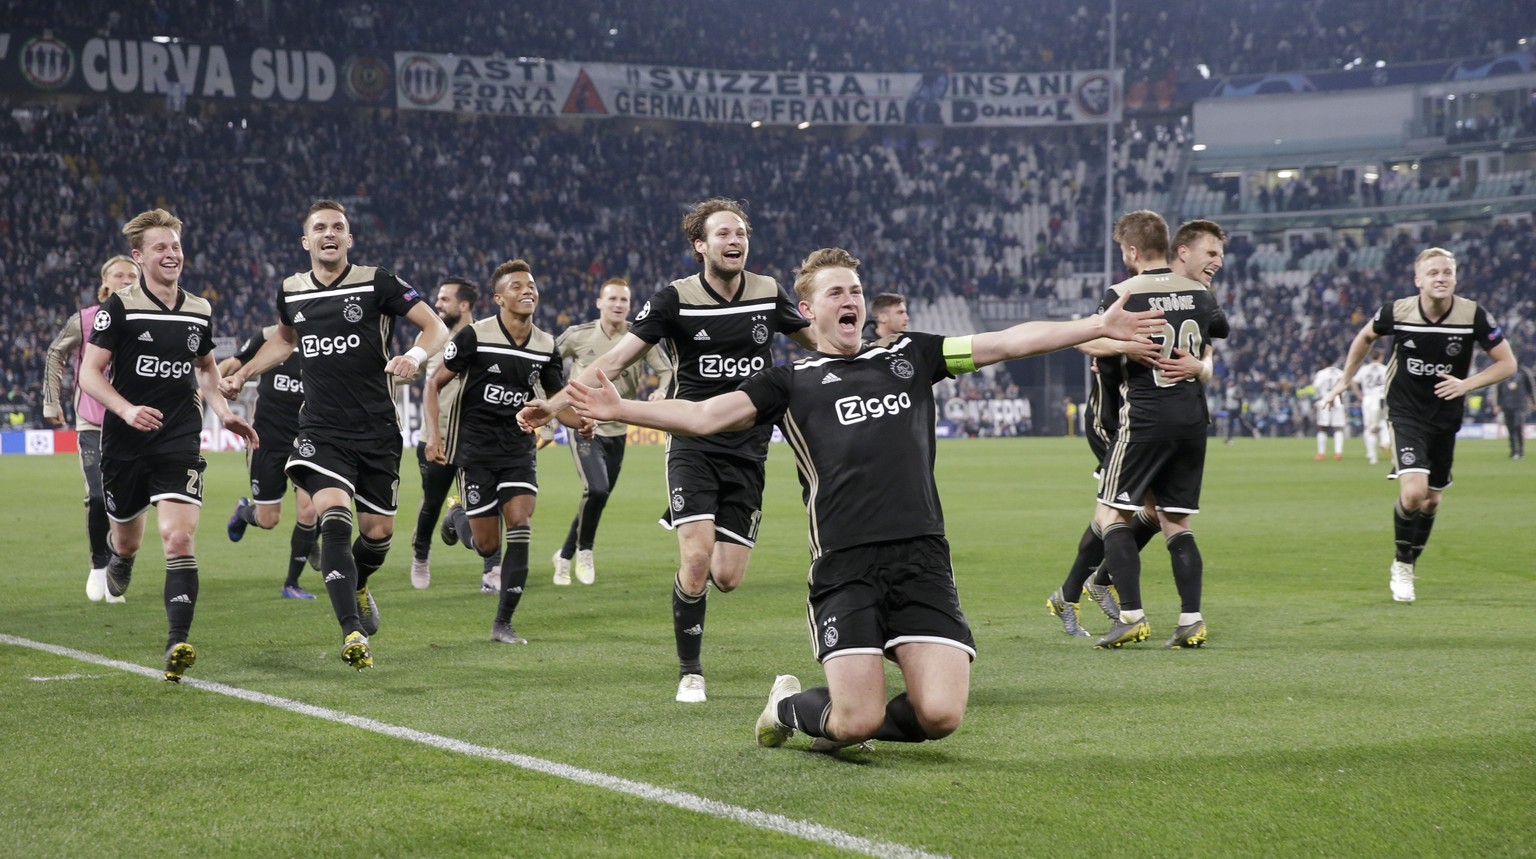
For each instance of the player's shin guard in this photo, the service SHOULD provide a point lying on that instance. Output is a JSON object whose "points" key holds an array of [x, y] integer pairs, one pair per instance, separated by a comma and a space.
{"points": [[338, 566], [808, 711], [1122, 560], [180, 596], [96, 526], [1090, 554], [514, 570], [120, 568], [369, 555], [299, 545], [1403, 533], [1144, 527], [688, 627], [1423, 523], [1188, 570], [900, 725]]}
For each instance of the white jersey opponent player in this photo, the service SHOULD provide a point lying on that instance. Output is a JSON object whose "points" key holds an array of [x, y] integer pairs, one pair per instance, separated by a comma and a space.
{"points": [[882, 584], [1331, 415], [1370, 385]]}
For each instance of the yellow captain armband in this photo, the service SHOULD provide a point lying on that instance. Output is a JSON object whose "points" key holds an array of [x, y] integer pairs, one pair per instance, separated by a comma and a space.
{"points": [[957, 355]]}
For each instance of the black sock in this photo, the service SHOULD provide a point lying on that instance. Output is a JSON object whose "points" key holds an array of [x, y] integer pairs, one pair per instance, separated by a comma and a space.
{"points": [[1402, 533], [247, 514], [1122, 561], [299, 544], [1423, 523], [900, 725], [96, 527], [1090, 554], [808, 711], [1144, 528], [369, 556], [460, 521], [1188, 570], [514, 570], [180, 596], [688, 627], [340, 569]]}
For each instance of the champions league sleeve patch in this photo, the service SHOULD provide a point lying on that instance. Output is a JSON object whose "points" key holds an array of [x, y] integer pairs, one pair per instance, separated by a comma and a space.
{"points": [[410, 293]]}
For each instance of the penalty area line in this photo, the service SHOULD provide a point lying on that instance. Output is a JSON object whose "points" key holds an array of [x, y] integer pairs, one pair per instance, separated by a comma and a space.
{"points": [[804, 830]]}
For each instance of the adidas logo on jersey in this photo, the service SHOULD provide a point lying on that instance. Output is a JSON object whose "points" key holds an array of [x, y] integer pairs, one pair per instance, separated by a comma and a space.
{"points": [[495, 368], [830, 378], [299, 317], [702, 335], [146, 338], [1408, 344], [182, 598], [334, 576]]}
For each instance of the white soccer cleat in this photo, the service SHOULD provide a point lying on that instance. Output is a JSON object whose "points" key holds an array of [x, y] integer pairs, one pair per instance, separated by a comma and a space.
{"points": [[562, 570], [96, 585], [690, 689], [1402, 581], [421, 573], [586, 573], [771, 733]]}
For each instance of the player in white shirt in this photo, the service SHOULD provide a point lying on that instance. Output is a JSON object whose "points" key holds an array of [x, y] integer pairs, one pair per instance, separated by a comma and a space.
{"points": [[1370, 384], [1330, 416]]}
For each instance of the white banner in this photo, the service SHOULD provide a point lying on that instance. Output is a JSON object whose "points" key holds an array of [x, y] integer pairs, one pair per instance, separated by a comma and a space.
{"points": [[494, 85]]}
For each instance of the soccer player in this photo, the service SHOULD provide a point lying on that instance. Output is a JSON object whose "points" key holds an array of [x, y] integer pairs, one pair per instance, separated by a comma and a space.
{"points": [[599, 459], [340, 317], [1432, 338], [1199, 251], [1159, 445], [1331, 413], [455, 305], [279, 397], [881, 581], [717, 325], [117, 273], [157, 340], [889, 310], [1370, 385], [501, 359]]}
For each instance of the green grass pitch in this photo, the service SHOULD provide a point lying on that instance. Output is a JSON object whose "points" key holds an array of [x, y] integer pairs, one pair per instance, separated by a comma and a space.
{"points": [[1322, 719]]}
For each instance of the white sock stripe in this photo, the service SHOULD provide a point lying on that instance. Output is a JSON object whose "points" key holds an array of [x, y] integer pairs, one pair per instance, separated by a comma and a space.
{"points": [[813, 832]]}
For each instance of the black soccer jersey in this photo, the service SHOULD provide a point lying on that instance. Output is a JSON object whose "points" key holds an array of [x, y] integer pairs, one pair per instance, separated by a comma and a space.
{"points": [[714, 344], [500, 376], [862, 430], [153, 348], [1152, 408], [1424, 348], [279, 392], [344, 330]]}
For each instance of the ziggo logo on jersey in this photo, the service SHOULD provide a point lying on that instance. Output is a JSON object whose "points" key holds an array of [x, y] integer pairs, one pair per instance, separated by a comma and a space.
{"points": [[853, 410], [156, 368], [496, 395], [338, 345], [721, 367]]}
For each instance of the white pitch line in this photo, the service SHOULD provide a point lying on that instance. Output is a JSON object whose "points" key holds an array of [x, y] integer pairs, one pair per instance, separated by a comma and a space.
{"points": [[807, 831]]}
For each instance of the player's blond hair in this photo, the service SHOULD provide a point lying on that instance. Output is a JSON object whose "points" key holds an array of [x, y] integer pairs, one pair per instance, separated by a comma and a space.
{"points": [[146, 221], [1427, 253], [818, 260], [1144, 230]]}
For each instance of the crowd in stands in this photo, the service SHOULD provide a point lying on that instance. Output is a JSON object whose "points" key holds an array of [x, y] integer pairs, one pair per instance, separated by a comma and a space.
{"points": [[1156, 41], [433, 195]]}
